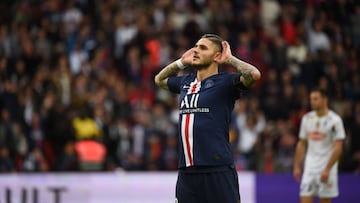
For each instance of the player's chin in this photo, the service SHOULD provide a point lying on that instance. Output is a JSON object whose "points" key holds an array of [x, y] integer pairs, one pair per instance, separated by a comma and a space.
{"points": [[199, 66], [314, 107], [195, 63]]}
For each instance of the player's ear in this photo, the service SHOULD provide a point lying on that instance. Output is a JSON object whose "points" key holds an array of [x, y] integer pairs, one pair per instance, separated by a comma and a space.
{"points": [[217, 56]]}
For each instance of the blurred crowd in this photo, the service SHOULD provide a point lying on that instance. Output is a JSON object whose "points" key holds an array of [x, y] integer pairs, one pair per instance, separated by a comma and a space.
{"points": [[77, 90]]}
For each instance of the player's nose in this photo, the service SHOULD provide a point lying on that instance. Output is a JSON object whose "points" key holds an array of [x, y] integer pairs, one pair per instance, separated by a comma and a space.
{"points": [[195, 49]]}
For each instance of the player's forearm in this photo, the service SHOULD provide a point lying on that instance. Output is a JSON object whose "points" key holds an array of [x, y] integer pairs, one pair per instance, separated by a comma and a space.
{"points": [[335, 155], [170, 70], [249, 73], [299, 153]]}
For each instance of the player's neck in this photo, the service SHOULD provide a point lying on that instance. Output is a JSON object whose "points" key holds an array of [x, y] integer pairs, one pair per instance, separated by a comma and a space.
{"points": [[322, 112], [202, 74]]}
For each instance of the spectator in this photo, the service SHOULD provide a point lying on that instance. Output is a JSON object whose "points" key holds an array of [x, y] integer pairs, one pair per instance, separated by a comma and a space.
{"points": [[69, 160], [72, 18], [86, 127], [78, 60], [35, 161], [355, 25], [118, 142], [355, 140], [6, 162], [250, 125], [286, 151], [296, 55], [317, 39], [7, 137], [90, 155]]}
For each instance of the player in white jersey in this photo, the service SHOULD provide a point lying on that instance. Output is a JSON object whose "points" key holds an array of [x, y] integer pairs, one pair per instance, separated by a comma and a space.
{"points": [[321, 138]]}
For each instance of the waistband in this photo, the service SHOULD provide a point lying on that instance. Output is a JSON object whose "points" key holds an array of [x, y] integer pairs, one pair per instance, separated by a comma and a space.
{"points": [[206, 169]]}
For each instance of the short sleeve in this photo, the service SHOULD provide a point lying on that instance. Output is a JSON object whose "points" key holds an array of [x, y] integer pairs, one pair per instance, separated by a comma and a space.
{"points": [[338, 130], [174, 84], [236, 85], [236, 81], [302, 131]]}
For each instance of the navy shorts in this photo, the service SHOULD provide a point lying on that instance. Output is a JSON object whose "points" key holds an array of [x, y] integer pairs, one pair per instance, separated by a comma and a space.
{"points": [[208, 185]]}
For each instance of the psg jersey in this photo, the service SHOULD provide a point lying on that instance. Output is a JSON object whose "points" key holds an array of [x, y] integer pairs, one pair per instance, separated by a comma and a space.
{"points": [[205, 109]]}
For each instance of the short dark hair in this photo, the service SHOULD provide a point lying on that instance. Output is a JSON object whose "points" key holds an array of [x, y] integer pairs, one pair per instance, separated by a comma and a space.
{"points": [[216, 39], [322, 91]]}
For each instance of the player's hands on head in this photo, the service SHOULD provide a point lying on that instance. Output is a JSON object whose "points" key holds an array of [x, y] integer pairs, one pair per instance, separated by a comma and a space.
{"points": [[187, 57], [225, 54]]}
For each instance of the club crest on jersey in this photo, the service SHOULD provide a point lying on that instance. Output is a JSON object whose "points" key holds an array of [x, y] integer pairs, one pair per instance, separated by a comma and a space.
{"points": [[209, 83]]}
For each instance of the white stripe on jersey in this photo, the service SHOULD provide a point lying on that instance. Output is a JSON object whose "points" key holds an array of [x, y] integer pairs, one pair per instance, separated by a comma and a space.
{"points": [[191, 137], [187, 124], [196, 100], [187, 132]]}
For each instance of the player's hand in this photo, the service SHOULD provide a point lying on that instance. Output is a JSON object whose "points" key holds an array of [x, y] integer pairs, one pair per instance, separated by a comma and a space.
{"points": [[187, 57], [324, 176], [297, 173], [225, 54]]}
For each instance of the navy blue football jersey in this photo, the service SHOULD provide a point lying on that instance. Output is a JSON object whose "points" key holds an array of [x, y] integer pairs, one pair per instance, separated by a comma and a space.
{"points": [[205, 109]]}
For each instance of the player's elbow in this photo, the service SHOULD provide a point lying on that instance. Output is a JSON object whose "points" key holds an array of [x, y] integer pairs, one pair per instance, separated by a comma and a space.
{"points": [[251, 78], [157, 80], [160, 82], [256, 75]]}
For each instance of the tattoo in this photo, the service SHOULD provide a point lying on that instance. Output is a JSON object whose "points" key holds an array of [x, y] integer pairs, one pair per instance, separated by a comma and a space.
{"points": [[246, 70], [247, 76], [161, 78]]}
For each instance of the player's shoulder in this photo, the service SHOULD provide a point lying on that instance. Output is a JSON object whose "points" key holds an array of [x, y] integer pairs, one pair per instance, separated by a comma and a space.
{"points": [[309, 115], [188, 78], [334, 116], [222, 78], [230, 78], [227, 74]]}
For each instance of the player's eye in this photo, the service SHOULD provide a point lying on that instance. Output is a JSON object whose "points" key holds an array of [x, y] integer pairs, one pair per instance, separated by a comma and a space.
{"points": [[202, 47]]}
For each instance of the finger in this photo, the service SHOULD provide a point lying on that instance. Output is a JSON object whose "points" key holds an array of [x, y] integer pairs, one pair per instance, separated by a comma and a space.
{"points": [[226, 49], [188, 52], [217, 59], [225, 45], [296, 176]]}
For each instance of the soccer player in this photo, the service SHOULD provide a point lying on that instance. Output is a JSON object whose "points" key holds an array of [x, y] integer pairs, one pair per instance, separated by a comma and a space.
{"points": [[206, 166], [321, 138]]}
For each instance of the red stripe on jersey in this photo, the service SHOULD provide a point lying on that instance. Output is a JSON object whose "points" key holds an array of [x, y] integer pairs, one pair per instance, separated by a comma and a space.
{"points": [[193, 89], [187, 121]]}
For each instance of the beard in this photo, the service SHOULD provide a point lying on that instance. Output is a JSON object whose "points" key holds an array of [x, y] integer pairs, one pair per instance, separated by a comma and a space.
{"points": [[201, 65]]}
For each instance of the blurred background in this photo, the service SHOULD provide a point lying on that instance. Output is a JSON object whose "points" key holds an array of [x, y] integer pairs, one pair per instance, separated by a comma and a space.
{"points": [[77, 90]]}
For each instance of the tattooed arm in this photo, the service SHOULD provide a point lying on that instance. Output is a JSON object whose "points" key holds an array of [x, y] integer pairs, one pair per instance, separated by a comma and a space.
{"points": [[249, 73], [173, 69], [162, 77]]}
